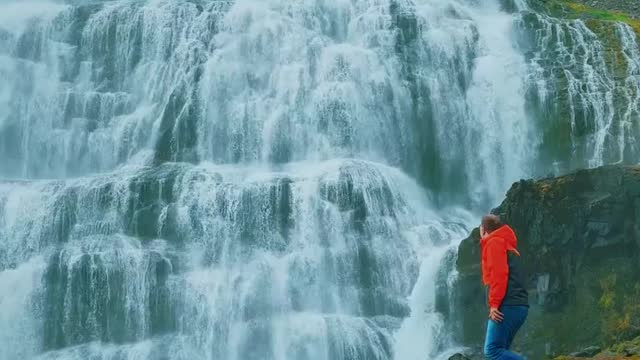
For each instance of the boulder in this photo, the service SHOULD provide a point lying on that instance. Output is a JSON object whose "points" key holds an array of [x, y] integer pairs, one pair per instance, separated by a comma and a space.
{"points": [[591, 351], [458, 357], [579, 236], [467, 355]]}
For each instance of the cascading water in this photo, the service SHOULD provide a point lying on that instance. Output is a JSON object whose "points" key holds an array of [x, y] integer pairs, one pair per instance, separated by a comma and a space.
{"points": [[629, 127], [573, 76], [234, 180]]}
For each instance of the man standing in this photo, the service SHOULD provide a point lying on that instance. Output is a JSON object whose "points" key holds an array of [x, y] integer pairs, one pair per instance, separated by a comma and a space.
{"points": [[507, 295]]}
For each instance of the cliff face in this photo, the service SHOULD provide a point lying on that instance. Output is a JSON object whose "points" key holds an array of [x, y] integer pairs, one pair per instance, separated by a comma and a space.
{"points": [[579, 236]]}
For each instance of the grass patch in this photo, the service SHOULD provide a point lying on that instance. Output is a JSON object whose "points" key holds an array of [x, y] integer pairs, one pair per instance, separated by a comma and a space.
{"points": [[583, 11]]}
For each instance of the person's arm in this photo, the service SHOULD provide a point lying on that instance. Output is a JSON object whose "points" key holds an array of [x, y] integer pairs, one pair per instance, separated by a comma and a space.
{"points": [[499, 275]]}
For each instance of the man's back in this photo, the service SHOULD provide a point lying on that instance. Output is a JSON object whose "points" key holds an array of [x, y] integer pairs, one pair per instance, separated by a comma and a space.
{"points": [[502, 269], [506, 284]]}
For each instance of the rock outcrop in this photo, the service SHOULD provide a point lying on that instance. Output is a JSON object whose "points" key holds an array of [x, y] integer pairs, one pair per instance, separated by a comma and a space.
{"points": [[580, 239], [629, 350]]}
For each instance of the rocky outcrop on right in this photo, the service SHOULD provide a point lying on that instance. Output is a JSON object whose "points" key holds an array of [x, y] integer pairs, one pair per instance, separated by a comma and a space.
{"points": [[580, 239], [625, 350]]}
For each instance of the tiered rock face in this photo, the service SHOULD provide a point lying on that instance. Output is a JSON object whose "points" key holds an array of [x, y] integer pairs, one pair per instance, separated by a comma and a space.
{"points": [[579, 236]]}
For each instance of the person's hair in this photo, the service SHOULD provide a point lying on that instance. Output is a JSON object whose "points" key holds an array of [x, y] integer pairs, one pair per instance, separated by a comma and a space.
{"points": [[491, 223]]}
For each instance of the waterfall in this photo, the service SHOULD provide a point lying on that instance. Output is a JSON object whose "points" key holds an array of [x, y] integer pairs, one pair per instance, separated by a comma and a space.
{"points": [[629, 124], [313, 261], [270, 179], [572, 75]]}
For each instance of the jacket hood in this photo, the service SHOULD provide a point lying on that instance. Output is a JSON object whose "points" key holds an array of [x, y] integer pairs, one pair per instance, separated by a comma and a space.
{"points": [[506, 233]]}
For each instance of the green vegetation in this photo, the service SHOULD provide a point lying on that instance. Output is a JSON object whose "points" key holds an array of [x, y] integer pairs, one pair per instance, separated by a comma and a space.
{"points": [[597, 13], [608, 297], [576, 10], [624, 347], [625, 350], [622, 320]]}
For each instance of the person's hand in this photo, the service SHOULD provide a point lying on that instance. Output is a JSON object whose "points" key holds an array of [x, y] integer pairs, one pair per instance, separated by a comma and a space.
{"points": [[496, 315]]}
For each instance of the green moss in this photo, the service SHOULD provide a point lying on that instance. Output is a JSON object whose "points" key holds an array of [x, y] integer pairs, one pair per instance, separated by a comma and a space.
{"points": [[618, 348], [620, 305], [613, 52], [572, 9], [608, 297], [617, 351], [596, 13]]}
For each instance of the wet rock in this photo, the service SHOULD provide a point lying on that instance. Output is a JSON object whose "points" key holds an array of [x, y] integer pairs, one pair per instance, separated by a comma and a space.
{"points": [[631, 351], [587, 352], [627, 348], [91, 290], [467, 355], [458, 357], [509, 6]]}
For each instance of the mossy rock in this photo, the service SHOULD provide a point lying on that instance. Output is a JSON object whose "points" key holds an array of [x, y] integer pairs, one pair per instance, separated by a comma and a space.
{"points": [[624, 350], [579, 238], [579, 10]]}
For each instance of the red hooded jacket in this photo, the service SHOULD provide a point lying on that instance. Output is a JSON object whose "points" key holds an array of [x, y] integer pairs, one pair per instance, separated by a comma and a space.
{"points": [[501, 271]]}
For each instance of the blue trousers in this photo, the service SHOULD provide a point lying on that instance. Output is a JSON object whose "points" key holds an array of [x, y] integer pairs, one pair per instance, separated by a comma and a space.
{"points": [[500, 334]]}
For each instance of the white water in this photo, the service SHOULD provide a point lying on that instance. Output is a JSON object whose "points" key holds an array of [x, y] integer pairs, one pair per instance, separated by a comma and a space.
{"points": [[20, 320], [627, 140], [236, 180], [16, 15], [330, 286], [497, 107], [570, 69]]}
